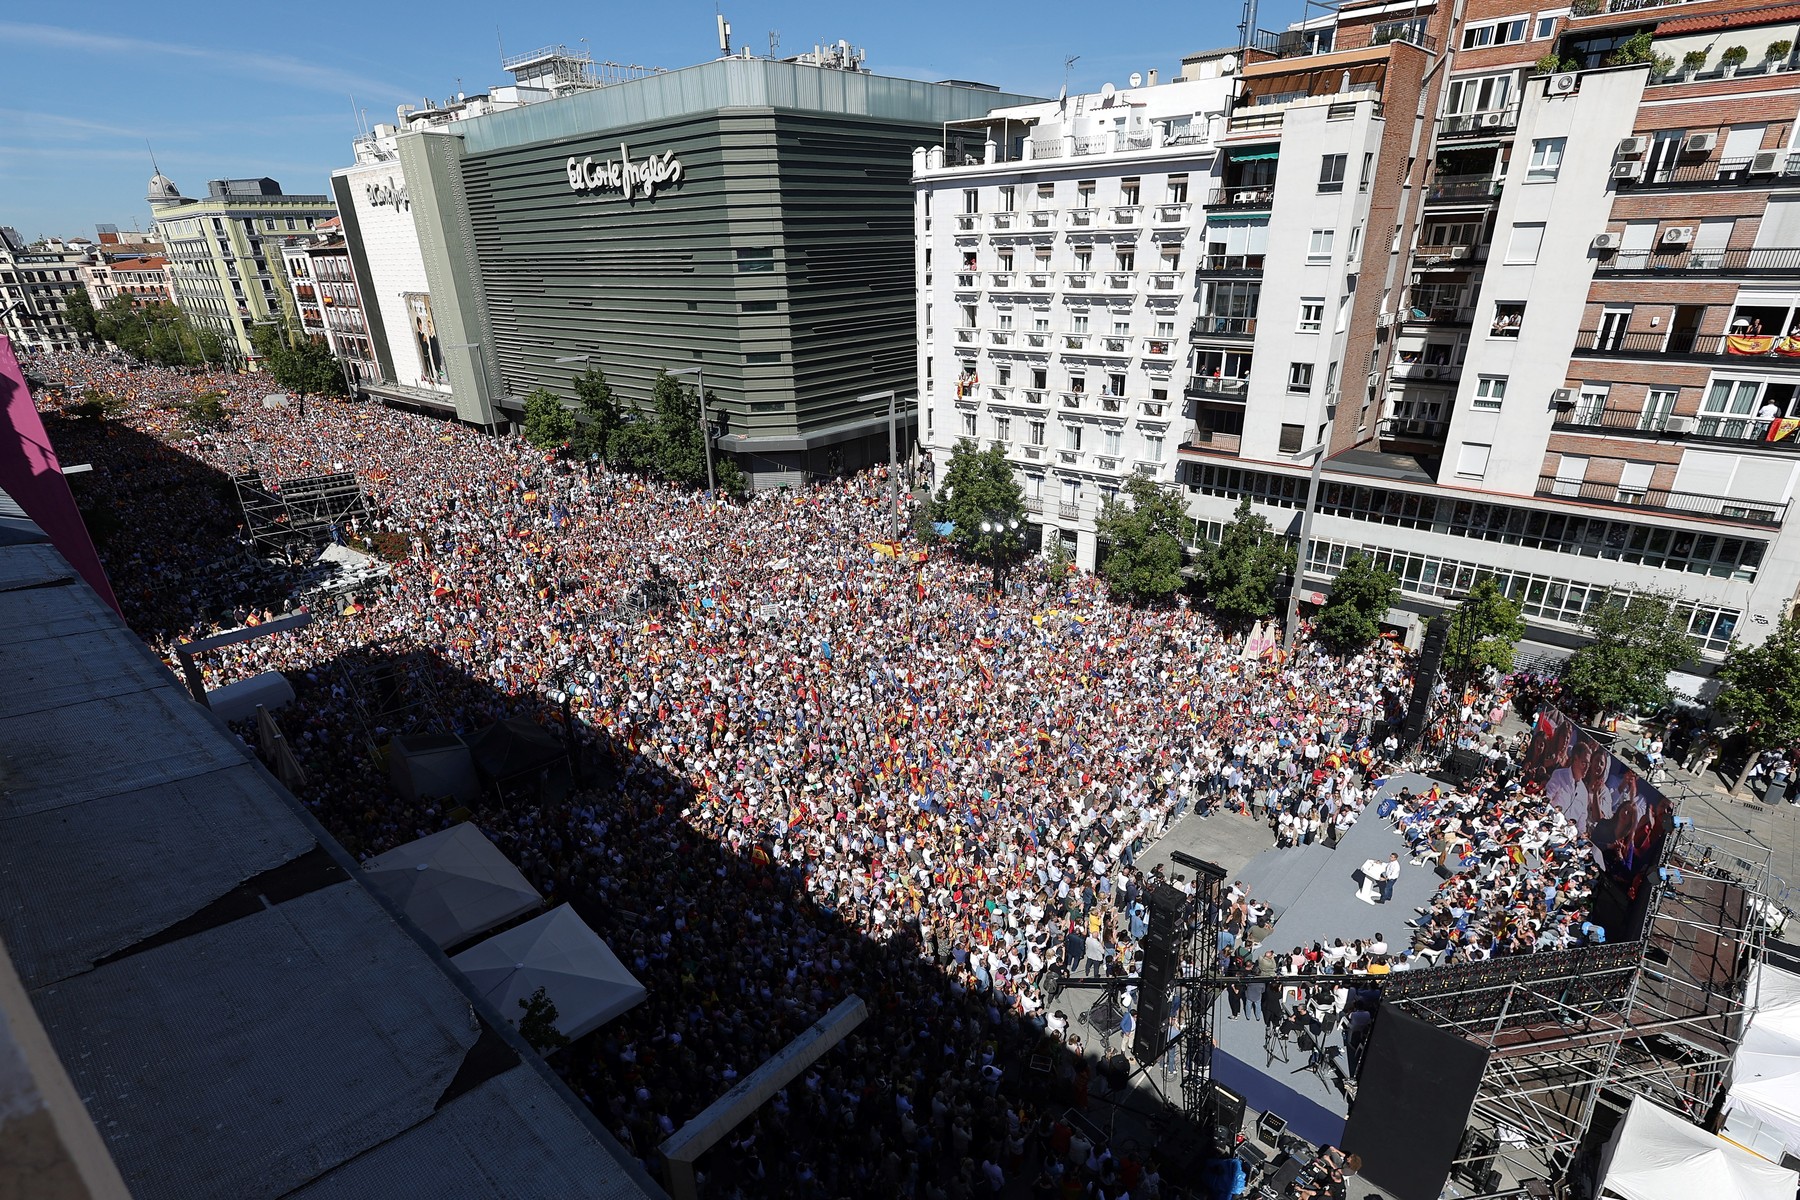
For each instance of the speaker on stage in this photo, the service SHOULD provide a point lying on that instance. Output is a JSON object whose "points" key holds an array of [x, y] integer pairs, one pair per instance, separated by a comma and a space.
{"points": [[1431, 657], [1228, 1117], [1162, 957]]}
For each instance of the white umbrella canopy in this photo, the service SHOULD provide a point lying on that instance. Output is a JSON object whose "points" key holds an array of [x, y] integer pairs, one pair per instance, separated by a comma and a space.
{"points": [[579, 973], [1655, 1155], [453, 884]]}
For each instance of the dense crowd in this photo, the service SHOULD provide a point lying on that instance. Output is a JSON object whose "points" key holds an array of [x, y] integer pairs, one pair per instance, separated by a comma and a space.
{"points": [[825, 766]]}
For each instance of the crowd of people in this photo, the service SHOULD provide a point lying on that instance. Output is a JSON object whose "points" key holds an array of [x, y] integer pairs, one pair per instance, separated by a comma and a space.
{"points": [[827, 766]]}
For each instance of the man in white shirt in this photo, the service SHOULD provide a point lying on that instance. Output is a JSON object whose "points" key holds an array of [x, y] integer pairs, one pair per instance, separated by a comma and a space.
{"points": [[1567, 787]]}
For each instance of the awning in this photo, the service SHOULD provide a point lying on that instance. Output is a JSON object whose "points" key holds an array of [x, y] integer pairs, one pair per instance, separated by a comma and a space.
{"points": [[1255, 155], [1261, 214]]}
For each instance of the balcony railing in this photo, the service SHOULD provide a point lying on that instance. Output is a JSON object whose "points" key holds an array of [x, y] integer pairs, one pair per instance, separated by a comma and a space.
{"points": [[1240, 197], [1427, 312], [1231, 264], [968, 337], [1448, 256], [968, 280], [1725, 508], [1226, 327], [1689, 345], [967, 222], [1035, 398], [1785, 261], [1037, 341], [1213, 441], [1073, 399], [1119, 281], [1479, 124], [1041, 218], [1462, 189], [1619, 419], [1114, 346], [1069, 512], [1427, 372], [1003, 220], [1000, 279], [1127, 214], [1000, 337], [1172, 214], [1082, 216], [1413, 429], [1159, 347], [1075, 341], [1081, 279], [1034, 504], [1038, 282], [1165, 281], [1722, 172], [1217, 387]]}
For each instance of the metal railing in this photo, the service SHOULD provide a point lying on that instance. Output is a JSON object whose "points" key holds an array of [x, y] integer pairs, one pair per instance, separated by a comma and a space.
{"points": [[1682, 344], [1215, 387], [1069, 512], [1452, 188], [1413, 428], [1686, 259], [1448, 256], [1618, 418], [1233, 327], [1479, 124], [1235, 264], [1726, 508], [1213, 441], [1722, 172], [1241, 197]]}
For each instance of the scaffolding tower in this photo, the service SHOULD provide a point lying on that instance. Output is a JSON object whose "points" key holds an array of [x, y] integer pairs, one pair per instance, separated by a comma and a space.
{"points": [[1567, 1031], [299, 511]]}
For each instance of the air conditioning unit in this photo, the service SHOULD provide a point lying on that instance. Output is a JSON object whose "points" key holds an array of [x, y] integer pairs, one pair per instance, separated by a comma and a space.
{"points": [[1628, 170], [1632, 147], [1767, 162], [1564, 84], [1492, 120], [1699, 143], [1384, 320], [1680, 424], [1606, 241], [1459, 252], [1678, 235], [1563, 398], [1428, 373]]}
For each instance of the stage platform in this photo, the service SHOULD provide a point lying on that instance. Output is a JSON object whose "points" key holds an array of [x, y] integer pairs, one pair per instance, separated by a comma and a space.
{"points": [[1315, 895]]}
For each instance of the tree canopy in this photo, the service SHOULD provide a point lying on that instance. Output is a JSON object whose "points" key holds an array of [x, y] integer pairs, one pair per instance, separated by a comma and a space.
{"points": [[1633, 647], [1360, 596], [547, 423], [1484, 631], [1759, 689], [599, 414], [157, 333], [978, 486], [1241, 575], [299, 365], [1142, 531]]}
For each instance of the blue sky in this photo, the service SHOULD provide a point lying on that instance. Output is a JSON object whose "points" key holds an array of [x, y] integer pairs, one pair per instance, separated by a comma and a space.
{"points": [[234, 89]]}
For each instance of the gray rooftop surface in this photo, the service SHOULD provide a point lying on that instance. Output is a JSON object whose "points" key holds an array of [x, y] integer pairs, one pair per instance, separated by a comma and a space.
{"points": [[241, 1016]]}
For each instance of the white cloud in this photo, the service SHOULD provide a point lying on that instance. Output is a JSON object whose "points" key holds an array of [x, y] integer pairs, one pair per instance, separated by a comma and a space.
{"points": [[266, 68]]}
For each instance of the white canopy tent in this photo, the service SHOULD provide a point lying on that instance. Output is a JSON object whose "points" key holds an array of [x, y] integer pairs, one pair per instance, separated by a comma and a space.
{"points": [[559, 953], [1762, 1110], [454, 884], [1655, 1155]]}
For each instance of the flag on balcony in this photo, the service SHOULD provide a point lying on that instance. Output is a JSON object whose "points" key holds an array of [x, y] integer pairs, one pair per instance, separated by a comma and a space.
{"points": [[1744, 344], [1788, 347], [1781, 428]]}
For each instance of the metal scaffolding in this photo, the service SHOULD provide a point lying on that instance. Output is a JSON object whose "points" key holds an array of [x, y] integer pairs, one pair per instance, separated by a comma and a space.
{"points": [[300, 511], [1568, 1030]]}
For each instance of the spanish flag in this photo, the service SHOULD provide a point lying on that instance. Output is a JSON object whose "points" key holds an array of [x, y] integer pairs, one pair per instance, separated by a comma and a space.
{"points": [[885, 549], [1781, 428]]}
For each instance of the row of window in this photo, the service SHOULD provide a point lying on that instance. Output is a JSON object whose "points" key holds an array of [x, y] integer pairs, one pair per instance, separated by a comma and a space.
{"points": [[1543, 597], [1075, 437], [1008, 196], [1508, 31], [1683, 550]]}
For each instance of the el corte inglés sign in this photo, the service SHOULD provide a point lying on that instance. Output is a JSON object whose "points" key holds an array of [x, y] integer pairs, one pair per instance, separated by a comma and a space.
{"points": [[624, 176]]}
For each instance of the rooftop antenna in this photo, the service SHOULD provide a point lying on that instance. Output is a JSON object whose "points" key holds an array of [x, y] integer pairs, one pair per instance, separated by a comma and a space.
{"points": [[154, 169], [500, 42], [774, 41], [724, 35], [1068, 65]]}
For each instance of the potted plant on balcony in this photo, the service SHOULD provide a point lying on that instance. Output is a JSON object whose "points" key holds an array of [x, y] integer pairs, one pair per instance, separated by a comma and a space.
{"points": [[1731, 58], [1662, 65], [1692, 62], [1776, 56], [1550, 64]]}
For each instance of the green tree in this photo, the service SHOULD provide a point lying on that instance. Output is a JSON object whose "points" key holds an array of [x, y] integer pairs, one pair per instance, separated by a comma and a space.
{"points": [[1632, 648], [599, 413], [633, 447], [1241, 575], [547, 422], [1759, 689], [978, 485], [1142, 531], [207, 411], [1484, 631], [1360, 596], [537, 1024], [82, 317]]}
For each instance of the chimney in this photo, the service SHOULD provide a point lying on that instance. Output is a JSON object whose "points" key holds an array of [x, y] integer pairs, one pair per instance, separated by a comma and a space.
{"points": [[1152, 77]]}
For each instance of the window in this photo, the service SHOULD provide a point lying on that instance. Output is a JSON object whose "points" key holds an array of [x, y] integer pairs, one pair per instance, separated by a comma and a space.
{"points": [[1084, 259], [762, 358], [968, 316], [1331, 172], [755, 258], [1003, 429], [1165, 330], [1472, 459], [971, 200], [1320, 248], [1003, 374], [1290, 439], [1130, 191], [1046, 195], [1071, 437], [1634, 482], [1084, 194], [1178, 189], [1368, 171], [1546, 27], [1035, 433], [1509, 317], [1115, 385], [1006, 198], [1490, 390], [1658, 406], [1312, 316], [1040, 379], [1355, 251], [1527, 239], [968, 424], [1497, 33], [1078, 323], [1121, 328], [1546, 159], [1300, 377], [1110, 442]]}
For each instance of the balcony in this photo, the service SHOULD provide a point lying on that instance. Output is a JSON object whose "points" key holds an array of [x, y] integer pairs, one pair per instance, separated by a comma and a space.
{"points": [[1083, 216], [968, 223], [1113, 347], [1000, 395], [1034, 398], [1039, 282], [1165, 281], [1127, 214], [968, 281], [1767, 350], [1032, 453], [1215, 387], [1424, 311], [1224, 327], [1448, 256], [1229, 266], [1000, 337], [1463, 189], [1118, 281], [1240, 198], [1172, 214], [1721, 508], [1159, 348], [1079, 281], [1443, 373], [1003, 221], [1685, 261], [1212, 441], [1041, 218], [1111, 403], [1719, 173], [1486, 123], [968, 337], [1413, 429], [1072, 399], [1069, 512], [1068, 457], [1000, 279], [1037, 341], [1034, 504], [1074, 341]]}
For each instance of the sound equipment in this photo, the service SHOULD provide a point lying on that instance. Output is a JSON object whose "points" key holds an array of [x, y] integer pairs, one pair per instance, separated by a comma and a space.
{"points": [[1431, 657], [1115, 1070], [1228, 1116], [1460, 766], [1270, 1127], [1416, 1087], [1162, 958]]}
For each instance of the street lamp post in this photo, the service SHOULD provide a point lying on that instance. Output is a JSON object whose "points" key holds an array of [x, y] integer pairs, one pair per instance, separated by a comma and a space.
{"points": [[1305, 548], [998, 530], [705, 421]]}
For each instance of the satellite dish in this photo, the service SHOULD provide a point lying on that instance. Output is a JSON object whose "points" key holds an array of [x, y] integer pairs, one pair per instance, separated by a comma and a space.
{"points": [[1136, 79], [1228, 64], [1107, 91]]}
